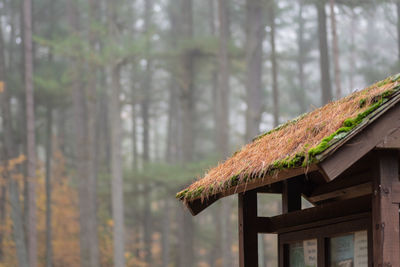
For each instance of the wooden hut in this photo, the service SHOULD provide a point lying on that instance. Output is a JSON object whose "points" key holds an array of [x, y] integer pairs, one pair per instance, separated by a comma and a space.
{"points": [[343, 158]]}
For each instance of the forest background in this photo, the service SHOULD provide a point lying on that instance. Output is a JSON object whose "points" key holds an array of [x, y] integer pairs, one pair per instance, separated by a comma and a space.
{"points": [[108, 108]]}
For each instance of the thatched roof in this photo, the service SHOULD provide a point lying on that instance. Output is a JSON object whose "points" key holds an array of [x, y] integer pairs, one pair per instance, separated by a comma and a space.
{"points": [[295, 145]]}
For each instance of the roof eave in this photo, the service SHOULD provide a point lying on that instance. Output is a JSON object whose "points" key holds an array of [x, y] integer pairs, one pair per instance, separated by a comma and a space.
{"points": [[197, 205]]}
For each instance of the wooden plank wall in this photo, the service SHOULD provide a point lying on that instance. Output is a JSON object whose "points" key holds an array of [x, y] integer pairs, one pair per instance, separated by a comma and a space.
{"points": [[385, 213]]}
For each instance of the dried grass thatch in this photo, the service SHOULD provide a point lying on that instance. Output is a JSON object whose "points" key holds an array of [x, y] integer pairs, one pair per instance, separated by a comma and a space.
{"points": [[294, 144]]}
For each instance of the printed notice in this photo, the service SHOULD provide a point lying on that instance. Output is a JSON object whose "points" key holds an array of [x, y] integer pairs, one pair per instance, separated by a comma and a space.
{"points": [[310, 252], [361, 249]]}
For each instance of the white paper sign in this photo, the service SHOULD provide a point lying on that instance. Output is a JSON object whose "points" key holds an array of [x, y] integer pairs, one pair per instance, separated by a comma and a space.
{"points": [[361, 249], [310, 252]]}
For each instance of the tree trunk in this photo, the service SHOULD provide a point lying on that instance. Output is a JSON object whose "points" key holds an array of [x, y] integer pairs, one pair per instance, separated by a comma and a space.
{"points": [[91, 121], [116, 170], [16, 217], [22, 146], [352, 47], [145, 107], [335, 46], [301, 60], [30, 124], [3, 97], [398, 28], [187, 83], [173, 140], [223, 81], [323, 53], [165, 234], [186, 239], [186, 249], [147, 224], [81, 146], [214, 74], [275, 90], [171, 155], [147, 84], [222, 123], [49, 248], [3, 199], [49, 155], [254, 38], [135, 162], [9, 153]]}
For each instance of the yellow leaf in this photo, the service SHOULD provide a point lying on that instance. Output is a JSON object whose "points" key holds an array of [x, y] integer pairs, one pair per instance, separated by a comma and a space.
{"points": [[1, 86]]}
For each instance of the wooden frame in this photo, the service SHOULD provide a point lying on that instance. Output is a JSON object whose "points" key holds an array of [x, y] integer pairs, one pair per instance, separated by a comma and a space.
{"points": [[355, 186], [250, 225], [322, 233]]}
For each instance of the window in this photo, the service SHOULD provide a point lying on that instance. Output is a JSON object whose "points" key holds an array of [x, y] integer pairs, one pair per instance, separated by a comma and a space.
{"points": [[343, 244], [303, 254], [349, 250]]}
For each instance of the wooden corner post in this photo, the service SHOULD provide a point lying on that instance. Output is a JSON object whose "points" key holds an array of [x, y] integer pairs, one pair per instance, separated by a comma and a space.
{"points": [[248, 242], [385, 213]]}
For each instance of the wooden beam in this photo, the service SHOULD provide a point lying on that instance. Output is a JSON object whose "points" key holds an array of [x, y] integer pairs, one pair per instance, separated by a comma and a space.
{"points": [[297, 219], [197, 205], [342, 182], [275, 188], [392, 140], [343, 193], [370, 133], [248, 241], [385, 213]]}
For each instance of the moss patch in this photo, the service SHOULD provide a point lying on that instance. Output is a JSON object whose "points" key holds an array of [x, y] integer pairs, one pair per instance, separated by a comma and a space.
{"points": [[280, 126], [350, 124]]}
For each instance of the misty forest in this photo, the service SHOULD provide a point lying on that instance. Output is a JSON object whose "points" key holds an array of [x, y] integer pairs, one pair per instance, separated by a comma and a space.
{"points": [[109, 108]]}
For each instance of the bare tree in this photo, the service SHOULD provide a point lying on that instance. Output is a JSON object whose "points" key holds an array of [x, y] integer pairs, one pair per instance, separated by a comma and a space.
{"points": [[222, 125], [335, 46], [8, 153], [30, 125], [222, 120], [323, 53], [352, 47], [301, 59], [275, 89], [398, 28], [187, 81], [91, 99], [84, 149], [49, 125], [254, 37], [116, 170], [186, 68], [145, 109]]}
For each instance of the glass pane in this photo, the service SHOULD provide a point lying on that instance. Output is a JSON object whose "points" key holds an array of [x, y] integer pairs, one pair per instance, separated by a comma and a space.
{"points": [[349, 250], [303, 254]]}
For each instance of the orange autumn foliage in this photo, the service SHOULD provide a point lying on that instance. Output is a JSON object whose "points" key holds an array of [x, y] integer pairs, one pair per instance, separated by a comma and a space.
{"points": [[65, 216]]}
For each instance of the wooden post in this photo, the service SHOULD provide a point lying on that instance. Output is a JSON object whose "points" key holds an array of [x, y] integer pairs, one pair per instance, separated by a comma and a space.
{"points": [[291, 195], [248, 243], [385, 213]]}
